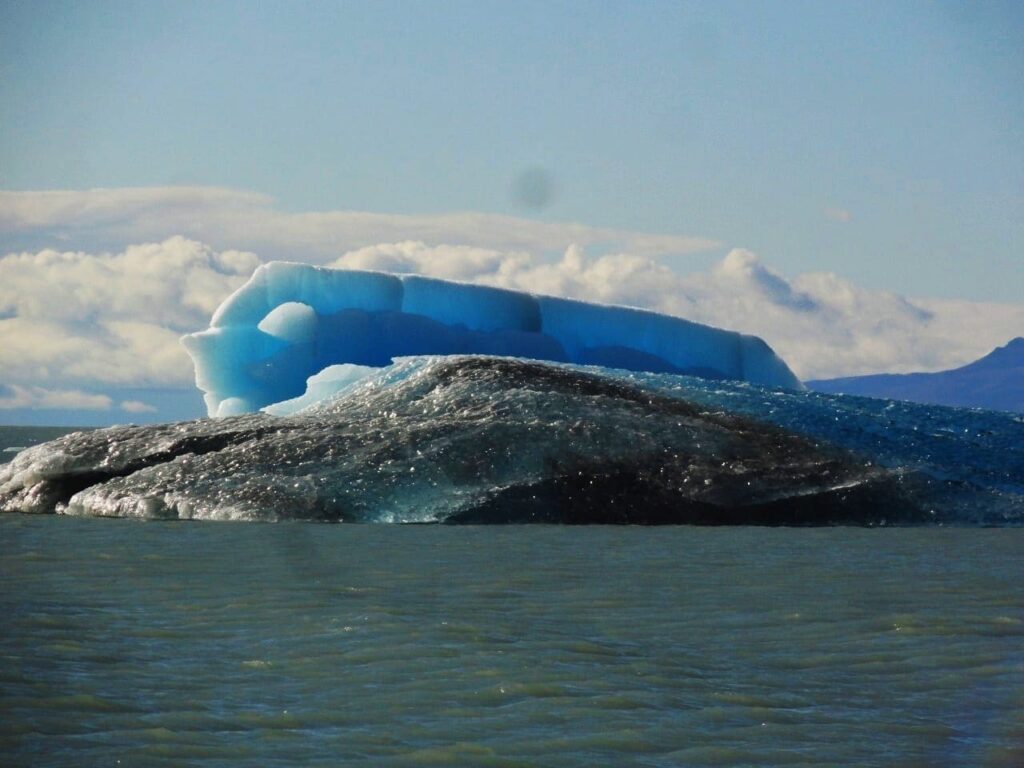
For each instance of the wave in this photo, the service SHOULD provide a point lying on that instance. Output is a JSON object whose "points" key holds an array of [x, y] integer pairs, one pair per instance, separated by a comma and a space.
{"points": [[499, 440]]}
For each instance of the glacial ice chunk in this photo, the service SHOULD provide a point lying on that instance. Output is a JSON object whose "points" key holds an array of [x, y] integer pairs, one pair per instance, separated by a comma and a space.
{"points": [[498, 440], [290, 321]]}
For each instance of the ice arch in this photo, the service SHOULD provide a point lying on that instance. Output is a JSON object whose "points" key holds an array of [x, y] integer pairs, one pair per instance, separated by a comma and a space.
{"points": [[291, 321]]}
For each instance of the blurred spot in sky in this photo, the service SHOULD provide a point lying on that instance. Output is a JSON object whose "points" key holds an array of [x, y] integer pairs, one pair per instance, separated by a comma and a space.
{"points": [[532, 189]]}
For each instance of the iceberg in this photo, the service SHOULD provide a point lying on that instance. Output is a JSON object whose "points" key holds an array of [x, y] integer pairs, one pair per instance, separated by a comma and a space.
{"points": [[474, 439], [460, 440], [290, 322]]}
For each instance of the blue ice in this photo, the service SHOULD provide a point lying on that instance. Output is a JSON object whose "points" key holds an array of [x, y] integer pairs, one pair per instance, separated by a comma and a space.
{"points": [[290, 322]]}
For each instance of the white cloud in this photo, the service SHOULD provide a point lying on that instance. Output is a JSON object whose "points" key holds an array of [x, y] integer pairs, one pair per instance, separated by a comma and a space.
{"points": [[822, 324], [36, 398], [224, 218], [111, 317], [455, 262], [71, 320], [111, 312]]}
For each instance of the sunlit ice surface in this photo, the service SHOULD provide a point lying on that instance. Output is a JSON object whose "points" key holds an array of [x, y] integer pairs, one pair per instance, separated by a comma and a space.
{"points": [[498, 440]]}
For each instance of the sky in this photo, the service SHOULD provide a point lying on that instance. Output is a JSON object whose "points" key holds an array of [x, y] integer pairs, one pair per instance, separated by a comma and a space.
{"points": [[844, 179]]}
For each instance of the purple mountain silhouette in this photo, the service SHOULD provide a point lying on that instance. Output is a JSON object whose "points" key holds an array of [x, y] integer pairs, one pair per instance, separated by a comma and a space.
{"points": [[996, 381]]}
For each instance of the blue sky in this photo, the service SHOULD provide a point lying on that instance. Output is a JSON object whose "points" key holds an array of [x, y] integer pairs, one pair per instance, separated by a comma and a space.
{"points": [[882, 141]]}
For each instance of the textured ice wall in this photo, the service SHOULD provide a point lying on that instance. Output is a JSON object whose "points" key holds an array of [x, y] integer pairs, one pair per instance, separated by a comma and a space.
{"points": [[291, 321]]}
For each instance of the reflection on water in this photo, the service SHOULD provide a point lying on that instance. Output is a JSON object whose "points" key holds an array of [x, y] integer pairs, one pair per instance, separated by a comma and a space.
{"points": [[291, 644]]}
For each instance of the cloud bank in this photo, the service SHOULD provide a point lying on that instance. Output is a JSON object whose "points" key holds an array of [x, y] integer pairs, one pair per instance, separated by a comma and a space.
{"points": [[225, 218], [149, 265], [15, 396], [75, 321], [106, 318], [824, 326]]}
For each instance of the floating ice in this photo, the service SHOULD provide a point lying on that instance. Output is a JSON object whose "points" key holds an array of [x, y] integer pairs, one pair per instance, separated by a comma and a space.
{"points": [[486, 439], [291, 321]]}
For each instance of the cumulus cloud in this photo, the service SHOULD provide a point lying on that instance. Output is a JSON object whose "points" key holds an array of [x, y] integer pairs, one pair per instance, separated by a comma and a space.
{"points": [[112, 310], [224, 218], [35, 398], [111, 317], [822, 324], [71, 320]]}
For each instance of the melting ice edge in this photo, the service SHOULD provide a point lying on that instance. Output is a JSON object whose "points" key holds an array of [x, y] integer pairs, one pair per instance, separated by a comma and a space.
{"points": [[470, 439]]}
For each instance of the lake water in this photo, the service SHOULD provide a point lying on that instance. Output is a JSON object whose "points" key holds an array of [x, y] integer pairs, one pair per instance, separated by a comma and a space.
{"points": [[170, 643]]}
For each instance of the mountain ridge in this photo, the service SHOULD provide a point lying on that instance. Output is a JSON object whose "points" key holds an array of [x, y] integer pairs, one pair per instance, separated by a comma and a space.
{"points": [[994, 381]]}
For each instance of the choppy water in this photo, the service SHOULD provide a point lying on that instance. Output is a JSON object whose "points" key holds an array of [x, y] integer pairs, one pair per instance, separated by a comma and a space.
{"points": [[169, 643]]}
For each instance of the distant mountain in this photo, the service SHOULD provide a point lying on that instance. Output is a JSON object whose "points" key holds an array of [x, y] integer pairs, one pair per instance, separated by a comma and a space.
{"points": [[996, 381]]}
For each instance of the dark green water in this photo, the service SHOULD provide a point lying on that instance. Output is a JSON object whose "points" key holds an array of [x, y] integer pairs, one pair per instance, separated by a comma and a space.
{"points": [[13, 439], [141, 643]]}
